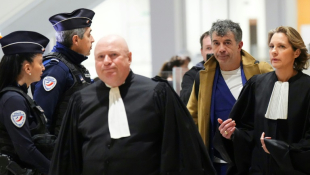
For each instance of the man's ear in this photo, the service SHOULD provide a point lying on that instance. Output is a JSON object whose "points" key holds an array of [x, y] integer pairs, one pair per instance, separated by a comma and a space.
{"points": [[240, 45], [75, 39], [129, 57]]}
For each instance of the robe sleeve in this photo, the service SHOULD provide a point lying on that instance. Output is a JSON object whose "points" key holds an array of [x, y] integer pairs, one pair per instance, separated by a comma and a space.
{"points": [[243, 138], [294, 157], [67, 157], [183, 151]]}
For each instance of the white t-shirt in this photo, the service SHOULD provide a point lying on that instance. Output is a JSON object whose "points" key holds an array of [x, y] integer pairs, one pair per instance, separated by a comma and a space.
{"points": [[233, 81]]}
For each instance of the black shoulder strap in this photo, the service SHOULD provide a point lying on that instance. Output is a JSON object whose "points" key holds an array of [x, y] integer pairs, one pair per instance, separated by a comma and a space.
{"points": [[29, 100], [61, 57], [51, 55], [74, 69]]}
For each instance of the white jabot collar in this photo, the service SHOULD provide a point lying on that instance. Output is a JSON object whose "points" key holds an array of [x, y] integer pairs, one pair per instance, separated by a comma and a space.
{"points": [[277, 107], [117, 117]]}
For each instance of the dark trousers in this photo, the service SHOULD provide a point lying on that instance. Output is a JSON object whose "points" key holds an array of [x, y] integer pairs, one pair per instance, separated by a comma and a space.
{"points": [[221, 168]]}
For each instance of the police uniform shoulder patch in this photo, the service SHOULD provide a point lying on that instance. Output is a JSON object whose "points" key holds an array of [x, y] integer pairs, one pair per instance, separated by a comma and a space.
{"points": [[49, 83], [18, 118]]}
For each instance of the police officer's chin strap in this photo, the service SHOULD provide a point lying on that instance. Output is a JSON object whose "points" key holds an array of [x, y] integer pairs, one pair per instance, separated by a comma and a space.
{"points": [[118, 123]]}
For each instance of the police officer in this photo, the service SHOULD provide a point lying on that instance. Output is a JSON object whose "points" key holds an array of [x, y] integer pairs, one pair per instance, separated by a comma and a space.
{"points": [[20, 66], [64, 73]]}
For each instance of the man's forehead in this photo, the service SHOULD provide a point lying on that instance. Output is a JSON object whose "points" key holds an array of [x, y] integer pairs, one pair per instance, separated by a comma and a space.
{"points": [[107, 49], [227, 36], [206, 40]]}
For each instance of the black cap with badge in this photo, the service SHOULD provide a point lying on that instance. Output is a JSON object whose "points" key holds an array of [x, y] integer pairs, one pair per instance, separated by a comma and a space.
{"points": [[23, 42], [79, 18]]}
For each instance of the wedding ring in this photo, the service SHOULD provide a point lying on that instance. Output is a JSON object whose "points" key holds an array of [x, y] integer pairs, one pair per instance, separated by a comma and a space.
{"points": [[226, 132]]}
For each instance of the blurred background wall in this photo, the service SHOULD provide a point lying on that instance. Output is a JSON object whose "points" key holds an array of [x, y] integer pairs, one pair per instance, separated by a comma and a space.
{"points": [[158, 29]]}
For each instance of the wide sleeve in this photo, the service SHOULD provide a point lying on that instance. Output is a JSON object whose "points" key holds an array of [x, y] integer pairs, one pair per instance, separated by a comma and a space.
{"points": [[242, 138], [294, 157], [291, 159], [67, 158], [183, 151]]}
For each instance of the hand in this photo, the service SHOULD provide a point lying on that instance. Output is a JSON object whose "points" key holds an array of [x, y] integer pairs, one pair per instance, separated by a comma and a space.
{"points": [[227, 127], [263, 142]]}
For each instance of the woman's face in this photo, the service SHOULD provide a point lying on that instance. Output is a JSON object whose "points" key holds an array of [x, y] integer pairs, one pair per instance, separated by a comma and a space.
{"points": [[281, 53], [36, 68]]}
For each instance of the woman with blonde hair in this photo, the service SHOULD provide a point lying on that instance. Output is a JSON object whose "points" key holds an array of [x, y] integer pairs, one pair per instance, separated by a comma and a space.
{"points": [[269, 127]]}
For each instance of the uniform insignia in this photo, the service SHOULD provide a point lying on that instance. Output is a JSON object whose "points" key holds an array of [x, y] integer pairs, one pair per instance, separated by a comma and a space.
{"points": [[87, 75], [49, 83], [18, 118]]}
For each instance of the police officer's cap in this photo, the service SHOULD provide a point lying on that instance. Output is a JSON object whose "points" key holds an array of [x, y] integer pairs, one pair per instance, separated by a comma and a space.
{"points": [[23, 42], [79, 18]]}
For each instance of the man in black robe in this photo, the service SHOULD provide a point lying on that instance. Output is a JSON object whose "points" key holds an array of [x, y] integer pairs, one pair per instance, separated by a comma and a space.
{"points": [[127, 124]]}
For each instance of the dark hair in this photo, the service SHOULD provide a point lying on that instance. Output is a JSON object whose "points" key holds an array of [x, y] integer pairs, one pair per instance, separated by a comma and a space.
{"points": [[295, 40], [167, 67], [221, 27], [204, 35], [11, 66]]}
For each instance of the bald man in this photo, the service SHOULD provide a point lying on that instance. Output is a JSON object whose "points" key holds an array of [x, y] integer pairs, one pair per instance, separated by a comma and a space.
{"points": [[127, 124]]}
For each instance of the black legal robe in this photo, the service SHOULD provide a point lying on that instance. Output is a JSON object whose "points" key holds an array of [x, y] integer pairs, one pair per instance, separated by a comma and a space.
{"points": [[164, 138], [290, 144]]}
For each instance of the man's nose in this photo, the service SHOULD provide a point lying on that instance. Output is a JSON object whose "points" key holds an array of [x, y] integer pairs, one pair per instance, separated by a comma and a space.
{"points": [[107, 60], [222, 48]]}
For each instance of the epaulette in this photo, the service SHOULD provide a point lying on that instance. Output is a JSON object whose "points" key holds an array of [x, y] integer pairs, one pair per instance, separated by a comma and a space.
{"points": [[54, 59]]}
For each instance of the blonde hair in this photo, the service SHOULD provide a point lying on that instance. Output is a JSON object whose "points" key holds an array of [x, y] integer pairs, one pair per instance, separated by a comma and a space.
{"points": [[295, 40]]}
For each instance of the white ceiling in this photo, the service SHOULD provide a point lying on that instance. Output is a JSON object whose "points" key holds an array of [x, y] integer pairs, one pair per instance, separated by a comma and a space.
{"points": [[13, 9]]}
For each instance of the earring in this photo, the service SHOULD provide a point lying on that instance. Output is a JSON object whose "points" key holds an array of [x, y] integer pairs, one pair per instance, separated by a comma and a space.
{"points": [[29, 73]]}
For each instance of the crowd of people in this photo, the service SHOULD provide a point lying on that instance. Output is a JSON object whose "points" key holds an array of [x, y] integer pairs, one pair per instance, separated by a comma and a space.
{"points": [[235, 114]]}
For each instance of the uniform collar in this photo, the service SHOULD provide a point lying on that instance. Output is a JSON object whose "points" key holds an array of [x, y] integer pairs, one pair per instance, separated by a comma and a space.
{"points": [[71, 55], [22, 87]]}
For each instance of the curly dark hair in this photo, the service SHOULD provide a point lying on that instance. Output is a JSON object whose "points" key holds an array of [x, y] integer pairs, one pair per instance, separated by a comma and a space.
{"points": [[221, 27], [294, 38]]}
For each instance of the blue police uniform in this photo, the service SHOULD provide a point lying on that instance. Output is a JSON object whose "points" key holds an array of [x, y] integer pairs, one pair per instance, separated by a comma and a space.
{"points": [[48, 99], [12, 103], [63, 73], [19, 120]]}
